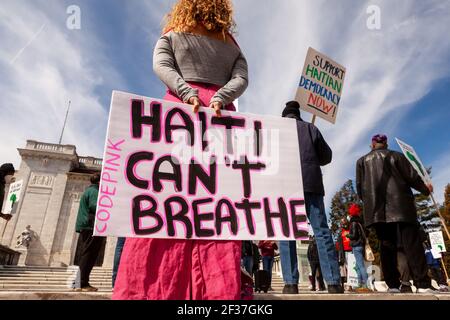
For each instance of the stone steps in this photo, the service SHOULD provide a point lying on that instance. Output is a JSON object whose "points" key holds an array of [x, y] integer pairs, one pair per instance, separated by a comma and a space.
{"points": [[49, 279]]}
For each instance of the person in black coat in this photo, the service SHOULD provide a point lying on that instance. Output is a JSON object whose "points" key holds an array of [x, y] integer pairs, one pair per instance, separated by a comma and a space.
{"points": [[314, 263], [256, 258], [6, 170], [384, 179], [247, 256]]}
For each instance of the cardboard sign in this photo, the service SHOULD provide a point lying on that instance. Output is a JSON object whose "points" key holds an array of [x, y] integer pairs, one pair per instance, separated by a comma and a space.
{"points": [[170, 173], [414, 159], [320, 89], [352, 274], [437, 241], [13, 197]]}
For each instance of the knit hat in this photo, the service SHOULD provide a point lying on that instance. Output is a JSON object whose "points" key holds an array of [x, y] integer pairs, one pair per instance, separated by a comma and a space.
{"points": [[354, 210], [292, 108], [379, 138], [7, 168]]}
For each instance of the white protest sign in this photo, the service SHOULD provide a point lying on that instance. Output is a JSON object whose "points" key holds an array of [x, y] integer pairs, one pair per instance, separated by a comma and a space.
{"points": [[170, 173], [320, 89], [437, 241], [13, 197], [435, 253], [414, 159], [352, 274]]}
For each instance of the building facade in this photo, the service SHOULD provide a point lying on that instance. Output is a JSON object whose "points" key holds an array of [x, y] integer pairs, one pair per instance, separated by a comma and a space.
{"points": [[54, 178]]}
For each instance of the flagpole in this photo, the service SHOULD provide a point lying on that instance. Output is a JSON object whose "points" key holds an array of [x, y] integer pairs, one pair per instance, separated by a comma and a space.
{"points": [[65, 122], [4, 229]]}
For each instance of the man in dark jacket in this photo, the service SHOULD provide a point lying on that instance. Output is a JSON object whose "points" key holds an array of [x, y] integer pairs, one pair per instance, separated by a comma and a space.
{"points": [[314, 153], [6, 170], [384, 179], [314, 263], [90, 245]]}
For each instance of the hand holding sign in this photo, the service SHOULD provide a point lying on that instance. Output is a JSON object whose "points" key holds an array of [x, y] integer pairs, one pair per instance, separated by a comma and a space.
{"points": [[195, 102]]}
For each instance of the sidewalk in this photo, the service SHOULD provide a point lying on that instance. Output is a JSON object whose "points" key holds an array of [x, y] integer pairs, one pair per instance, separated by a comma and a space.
{"points": [[19, 295]]}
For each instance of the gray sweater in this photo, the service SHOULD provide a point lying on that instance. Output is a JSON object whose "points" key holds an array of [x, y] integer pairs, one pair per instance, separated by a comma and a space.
{"points": [[182, 57]]}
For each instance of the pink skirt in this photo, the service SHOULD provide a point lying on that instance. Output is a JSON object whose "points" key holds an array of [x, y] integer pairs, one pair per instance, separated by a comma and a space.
{"points": [[168, 269]]}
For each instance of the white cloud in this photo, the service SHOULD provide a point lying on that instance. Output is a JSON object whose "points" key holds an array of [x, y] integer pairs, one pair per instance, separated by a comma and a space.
{"points": [[44, 65], [387, 69]]}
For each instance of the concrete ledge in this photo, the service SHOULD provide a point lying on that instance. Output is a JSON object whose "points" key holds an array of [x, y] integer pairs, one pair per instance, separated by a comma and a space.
{"points": [[21, 295], [352, 296]]}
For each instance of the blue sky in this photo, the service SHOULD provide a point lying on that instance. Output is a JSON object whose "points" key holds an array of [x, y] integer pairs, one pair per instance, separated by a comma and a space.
{"points": [[397, 83]]}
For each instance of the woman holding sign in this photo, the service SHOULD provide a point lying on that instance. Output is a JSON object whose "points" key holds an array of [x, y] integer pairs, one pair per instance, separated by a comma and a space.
{"points": [[202, 65]]}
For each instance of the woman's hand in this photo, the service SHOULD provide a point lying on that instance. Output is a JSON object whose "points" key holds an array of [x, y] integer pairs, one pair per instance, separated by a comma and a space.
{"points": [[195, 101], [217, 106]]}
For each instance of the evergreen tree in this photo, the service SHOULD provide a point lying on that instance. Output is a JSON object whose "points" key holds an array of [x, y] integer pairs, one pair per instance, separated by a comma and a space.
{"points": [[426, 213], [340, 204]]}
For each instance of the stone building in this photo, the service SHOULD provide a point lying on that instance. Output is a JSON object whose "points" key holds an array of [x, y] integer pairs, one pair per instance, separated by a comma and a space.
{"points": [[54, 178]]}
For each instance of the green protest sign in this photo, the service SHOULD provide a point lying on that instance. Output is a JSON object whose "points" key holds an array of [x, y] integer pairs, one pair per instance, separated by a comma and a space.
{"points": [[414, 159], [13, 197]]}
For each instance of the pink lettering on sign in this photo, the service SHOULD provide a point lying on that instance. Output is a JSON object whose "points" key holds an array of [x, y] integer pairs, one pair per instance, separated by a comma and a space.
{"points": [[108, 183]]}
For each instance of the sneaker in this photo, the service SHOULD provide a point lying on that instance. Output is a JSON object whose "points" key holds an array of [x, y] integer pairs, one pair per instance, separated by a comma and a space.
{"points": [[335, 289], [393, 290], [89, 288], [405, 289], [443, 288], [427, 290], [290, 289]]}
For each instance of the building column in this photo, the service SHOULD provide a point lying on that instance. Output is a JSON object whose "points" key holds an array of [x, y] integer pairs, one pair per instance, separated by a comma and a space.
{"points": [[110, 249], [52, 216]]}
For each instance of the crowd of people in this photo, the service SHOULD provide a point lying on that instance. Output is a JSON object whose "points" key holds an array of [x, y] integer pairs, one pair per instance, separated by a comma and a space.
{"points": [[201, 64]]}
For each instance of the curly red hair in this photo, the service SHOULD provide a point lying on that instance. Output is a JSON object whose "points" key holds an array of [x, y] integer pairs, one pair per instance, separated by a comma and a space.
{"points": [[214, 15]]}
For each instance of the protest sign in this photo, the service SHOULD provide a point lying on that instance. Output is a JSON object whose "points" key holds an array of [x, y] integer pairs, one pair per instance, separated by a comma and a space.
{"points": [[13, 197], [437, 241], [170, 173], [352, 274], [320, 88], [414, 159]]}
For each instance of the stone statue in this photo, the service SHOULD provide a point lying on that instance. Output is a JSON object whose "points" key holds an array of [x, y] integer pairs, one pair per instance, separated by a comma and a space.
{"points": [[25, 238]]}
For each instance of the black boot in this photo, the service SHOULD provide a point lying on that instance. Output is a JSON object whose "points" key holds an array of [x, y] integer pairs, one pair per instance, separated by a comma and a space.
{"points": [[290, 289], [335, 289]]}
